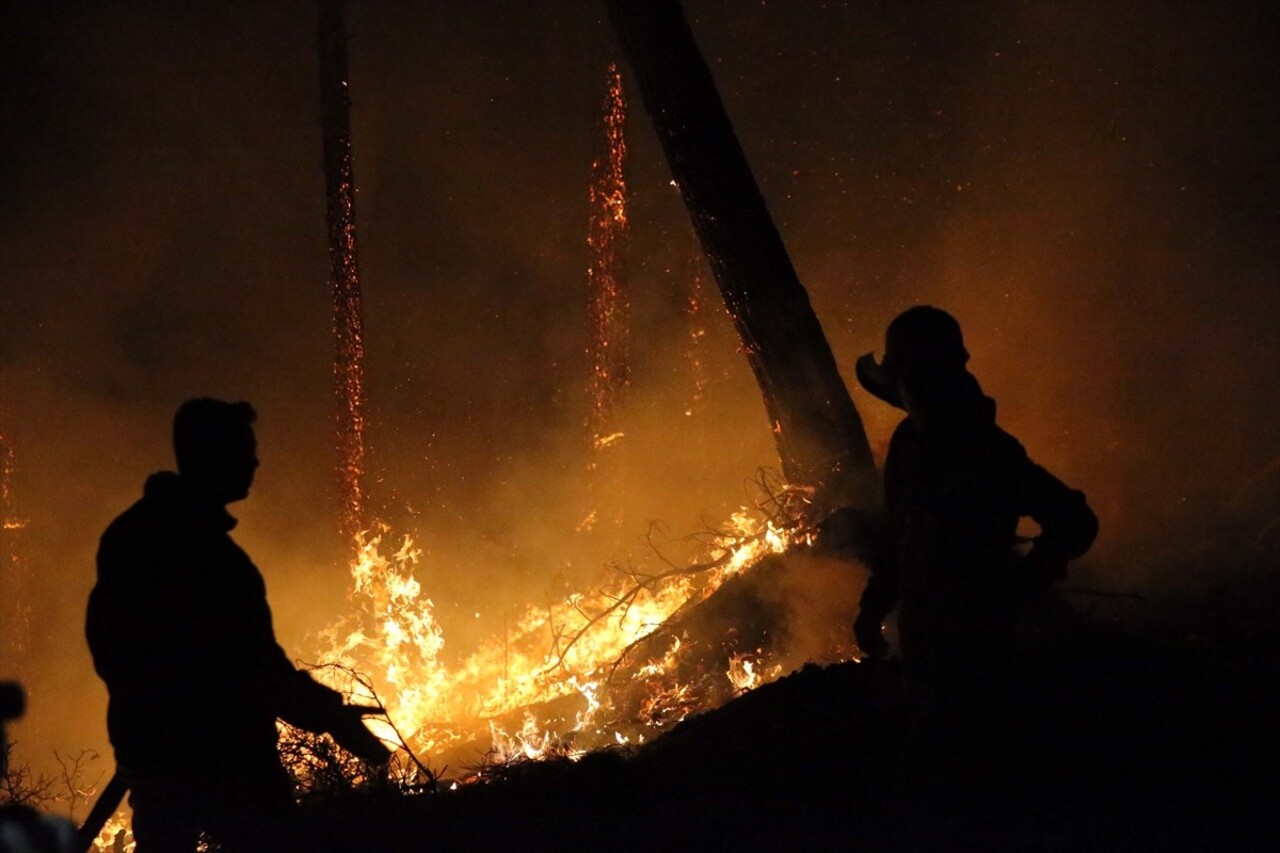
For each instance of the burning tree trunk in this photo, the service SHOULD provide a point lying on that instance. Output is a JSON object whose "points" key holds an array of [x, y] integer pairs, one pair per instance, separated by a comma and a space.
{"points": [[344, 273], [820, 438], [607, 308], [15, 607]]}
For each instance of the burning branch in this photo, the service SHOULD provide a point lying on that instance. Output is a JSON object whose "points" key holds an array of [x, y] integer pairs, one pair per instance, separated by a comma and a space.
{"points": [[786, 511], [551, 661]]}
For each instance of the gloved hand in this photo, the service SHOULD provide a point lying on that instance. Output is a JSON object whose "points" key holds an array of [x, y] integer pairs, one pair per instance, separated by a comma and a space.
{"points": [[871, 641], [349, 730]]}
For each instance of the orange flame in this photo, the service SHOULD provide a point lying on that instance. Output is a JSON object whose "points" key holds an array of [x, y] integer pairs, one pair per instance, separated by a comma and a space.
{"points": [[552, 685]]}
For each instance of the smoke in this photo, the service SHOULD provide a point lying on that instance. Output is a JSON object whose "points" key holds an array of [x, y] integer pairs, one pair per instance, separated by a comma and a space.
{"points": [[1090, 193], [1090, 189]]}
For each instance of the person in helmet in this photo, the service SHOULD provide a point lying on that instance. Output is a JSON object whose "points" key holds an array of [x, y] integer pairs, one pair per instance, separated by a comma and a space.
{"points": [[955, 488]]}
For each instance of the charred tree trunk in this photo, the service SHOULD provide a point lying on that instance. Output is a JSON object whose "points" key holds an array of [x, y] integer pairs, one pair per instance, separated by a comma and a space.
{"points": [[344, 272], [820, 437]]}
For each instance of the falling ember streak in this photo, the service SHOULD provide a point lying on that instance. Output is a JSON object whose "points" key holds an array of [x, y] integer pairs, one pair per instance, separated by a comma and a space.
{"points": [[344, 273], [607, 308], [15, 608], [695, 351]]}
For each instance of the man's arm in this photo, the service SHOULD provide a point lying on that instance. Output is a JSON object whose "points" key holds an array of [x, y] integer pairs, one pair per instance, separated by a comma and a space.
{"points": [[1068, 526], [878, 599], [880, 595], [308, 704], [295, 696]]}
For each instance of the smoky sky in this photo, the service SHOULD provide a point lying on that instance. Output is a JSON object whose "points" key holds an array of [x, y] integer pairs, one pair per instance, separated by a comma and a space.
{"points": [[1090, 188]]}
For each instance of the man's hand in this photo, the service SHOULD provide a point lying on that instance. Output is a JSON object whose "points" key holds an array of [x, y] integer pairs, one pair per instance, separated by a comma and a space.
{"points": [[870, 638], [354, 736]]}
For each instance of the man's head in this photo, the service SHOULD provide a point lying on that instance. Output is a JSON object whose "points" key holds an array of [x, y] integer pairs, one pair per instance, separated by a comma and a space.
{"points": [[922, 348], [215, 446]]}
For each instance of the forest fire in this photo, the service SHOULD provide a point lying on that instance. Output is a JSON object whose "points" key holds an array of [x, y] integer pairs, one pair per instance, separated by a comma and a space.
{"points": [[565, 678], [1111, 257]]}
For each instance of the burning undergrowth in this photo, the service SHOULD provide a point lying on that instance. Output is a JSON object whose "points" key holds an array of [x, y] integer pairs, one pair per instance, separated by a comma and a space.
{"points": [[658, 641]]}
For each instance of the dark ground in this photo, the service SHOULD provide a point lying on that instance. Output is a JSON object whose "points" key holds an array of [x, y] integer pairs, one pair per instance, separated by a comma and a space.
{"points": [[1130, 732]]}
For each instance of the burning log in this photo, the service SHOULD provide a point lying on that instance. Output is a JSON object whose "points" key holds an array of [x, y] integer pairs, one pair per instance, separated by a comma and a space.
{"points": [[344, 272], [819, 435]]}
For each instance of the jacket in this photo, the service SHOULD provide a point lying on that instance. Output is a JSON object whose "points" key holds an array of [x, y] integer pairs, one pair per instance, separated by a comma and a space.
{"points": [[955, 489], [180, 631]]}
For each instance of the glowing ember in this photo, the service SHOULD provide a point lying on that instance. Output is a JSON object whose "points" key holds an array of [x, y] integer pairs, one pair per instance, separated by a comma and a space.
{"points": [[695, 347], [607, 308]]}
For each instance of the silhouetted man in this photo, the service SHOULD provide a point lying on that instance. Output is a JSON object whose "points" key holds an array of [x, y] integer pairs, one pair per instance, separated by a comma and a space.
{"points": [[181, 633], [955, 488]]}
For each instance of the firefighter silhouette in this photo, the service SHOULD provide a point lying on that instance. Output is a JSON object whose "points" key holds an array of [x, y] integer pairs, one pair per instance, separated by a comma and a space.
{"points": [[180, 631], [955, 487]]}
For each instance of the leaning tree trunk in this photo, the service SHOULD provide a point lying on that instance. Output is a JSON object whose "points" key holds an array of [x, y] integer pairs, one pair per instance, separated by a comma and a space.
{"points": [[820, 438]]}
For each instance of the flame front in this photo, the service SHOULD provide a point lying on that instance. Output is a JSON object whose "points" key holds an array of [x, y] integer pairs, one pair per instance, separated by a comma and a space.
{"points": [[553, 685]]}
